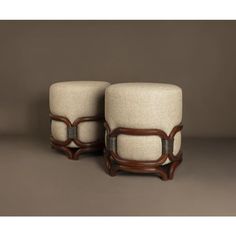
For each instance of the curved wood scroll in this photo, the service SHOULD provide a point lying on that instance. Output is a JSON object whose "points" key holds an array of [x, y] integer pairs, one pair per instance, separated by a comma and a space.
{"points": [[115, 163], [73, 153]]}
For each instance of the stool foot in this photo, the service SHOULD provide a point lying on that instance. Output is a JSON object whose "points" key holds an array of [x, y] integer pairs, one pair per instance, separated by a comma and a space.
{"points": [[165, 172], [173, 167], [74, 153], [71, 153], [110, 167]]}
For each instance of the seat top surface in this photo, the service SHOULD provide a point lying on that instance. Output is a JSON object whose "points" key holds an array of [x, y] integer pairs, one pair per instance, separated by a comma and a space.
{"points": [[144, 86], [70, 84]]}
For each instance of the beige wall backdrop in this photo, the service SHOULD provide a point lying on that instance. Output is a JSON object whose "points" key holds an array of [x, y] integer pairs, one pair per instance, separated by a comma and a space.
{"points": [[199, 56]]}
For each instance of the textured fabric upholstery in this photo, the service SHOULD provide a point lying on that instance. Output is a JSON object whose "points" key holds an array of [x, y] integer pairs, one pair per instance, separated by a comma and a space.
{"points": [[76, 99], [144, 106]]}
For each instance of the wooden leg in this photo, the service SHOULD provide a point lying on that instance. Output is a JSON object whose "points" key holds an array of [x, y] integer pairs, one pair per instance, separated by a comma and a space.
{"points": [[113, 171], [170, 168], [173, 167], [161, 173], [110, 167], [165, 172], [74, 153], [67, 151]]}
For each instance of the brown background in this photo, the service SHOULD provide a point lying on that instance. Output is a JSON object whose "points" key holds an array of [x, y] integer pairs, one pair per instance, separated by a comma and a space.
{"points": [[199, 56]]}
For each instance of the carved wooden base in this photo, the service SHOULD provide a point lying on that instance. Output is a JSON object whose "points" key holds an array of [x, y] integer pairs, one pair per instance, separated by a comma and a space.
{"points": [[72, 130], [114, 163], [165, 172], [74, 153]]}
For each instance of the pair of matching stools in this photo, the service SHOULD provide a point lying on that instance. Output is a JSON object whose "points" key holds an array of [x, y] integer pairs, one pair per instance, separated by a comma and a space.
{"points": [[140, 132]]}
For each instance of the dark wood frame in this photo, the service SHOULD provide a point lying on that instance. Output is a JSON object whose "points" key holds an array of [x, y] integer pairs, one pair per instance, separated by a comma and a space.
{"points": [[115, 163], [74, 153]]}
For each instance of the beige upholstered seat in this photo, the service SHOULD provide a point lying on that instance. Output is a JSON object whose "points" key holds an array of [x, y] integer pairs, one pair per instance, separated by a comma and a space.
{"points": [[143, 106], [76, 99]]}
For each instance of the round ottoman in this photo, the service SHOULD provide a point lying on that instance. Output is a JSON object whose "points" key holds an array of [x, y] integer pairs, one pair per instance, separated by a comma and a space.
{"points": [[77, 116], [143, 128]]}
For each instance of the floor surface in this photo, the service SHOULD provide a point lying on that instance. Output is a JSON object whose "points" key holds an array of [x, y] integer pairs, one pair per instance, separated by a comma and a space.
{"points": [[36, 180]]}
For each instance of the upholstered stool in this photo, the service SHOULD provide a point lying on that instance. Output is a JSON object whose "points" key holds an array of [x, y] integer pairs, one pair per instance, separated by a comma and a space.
{"points": [[143, 128], [77, 116]]}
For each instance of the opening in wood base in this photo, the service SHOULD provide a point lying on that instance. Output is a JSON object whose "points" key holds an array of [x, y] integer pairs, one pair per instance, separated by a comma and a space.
{"points": [[165, 172], [74, 153]]}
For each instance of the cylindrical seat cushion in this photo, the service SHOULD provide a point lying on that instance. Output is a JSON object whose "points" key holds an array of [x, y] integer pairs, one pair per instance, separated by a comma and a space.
{"points": [[143, 106], [77, 99]]}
